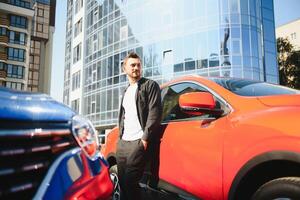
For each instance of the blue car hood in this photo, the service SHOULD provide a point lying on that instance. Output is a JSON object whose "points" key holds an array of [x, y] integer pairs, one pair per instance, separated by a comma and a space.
{"points": [[19, 105]]}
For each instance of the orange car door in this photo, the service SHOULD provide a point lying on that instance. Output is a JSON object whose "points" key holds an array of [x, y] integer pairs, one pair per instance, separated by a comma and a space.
{"points": [[191, 146]]}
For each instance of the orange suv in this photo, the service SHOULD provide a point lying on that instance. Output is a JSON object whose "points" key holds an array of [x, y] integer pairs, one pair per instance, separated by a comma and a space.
{"points": [[226, 138]]}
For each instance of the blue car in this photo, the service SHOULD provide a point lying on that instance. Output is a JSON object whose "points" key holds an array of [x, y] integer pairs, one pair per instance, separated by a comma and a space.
{"points": [[47, 151]]}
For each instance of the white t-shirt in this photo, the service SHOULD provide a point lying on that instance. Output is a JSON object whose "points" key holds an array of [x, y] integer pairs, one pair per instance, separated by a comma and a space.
{"points": [[132, 126]]}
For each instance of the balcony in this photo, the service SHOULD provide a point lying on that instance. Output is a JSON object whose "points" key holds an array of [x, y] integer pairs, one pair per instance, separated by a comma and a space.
{"points": [[3, 56], [16, 9], [19, 3], [4, 20], [2, 74], [3, 39]]}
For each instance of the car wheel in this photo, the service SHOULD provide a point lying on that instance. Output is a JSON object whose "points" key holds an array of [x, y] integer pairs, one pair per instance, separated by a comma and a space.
{"points": [[287, 188], [113, 170]]}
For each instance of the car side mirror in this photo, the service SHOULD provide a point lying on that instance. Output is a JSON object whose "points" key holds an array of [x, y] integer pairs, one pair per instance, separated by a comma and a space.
{"points": [[199, 103]]}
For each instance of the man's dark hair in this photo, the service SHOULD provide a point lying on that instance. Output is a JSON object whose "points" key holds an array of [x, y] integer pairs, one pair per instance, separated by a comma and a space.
{"points": [[131, 55]]}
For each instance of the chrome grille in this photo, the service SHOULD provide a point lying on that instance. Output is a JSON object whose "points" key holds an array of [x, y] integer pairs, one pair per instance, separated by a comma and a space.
{"points": [[26, 155]]}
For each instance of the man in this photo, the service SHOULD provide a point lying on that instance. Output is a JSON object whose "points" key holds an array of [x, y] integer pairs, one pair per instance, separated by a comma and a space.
{"points": [[139, 120]]}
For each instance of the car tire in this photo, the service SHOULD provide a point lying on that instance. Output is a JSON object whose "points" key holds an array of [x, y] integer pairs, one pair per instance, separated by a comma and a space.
{"points": [[281, 188], [113, 171]]}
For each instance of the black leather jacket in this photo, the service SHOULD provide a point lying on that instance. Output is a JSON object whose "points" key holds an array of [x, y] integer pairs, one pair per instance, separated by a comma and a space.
{"points": [[149, 109]]}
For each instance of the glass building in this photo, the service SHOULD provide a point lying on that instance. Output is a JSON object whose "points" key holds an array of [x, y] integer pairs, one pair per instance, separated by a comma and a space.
{"points": [[233, 38]]}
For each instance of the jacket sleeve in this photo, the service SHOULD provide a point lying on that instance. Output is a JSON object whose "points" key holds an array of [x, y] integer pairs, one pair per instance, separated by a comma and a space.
{"points": [[155, 112]]}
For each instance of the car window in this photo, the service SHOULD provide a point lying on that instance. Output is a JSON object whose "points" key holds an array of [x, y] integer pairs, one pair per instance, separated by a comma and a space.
{"points": [[170, 96], [253, 88]]}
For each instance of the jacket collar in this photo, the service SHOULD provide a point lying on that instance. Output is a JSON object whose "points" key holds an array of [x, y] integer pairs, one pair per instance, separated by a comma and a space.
{"points": [[139, 83]]}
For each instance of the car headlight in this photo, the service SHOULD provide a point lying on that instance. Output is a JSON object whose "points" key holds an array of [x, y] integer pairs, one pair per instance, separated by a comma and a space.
{"points": [[85, 135]]}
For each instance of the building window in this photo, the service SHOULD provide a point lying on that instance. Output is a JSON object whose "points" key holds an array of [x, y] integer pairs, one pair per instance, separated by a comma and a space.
{"points": [[66, 96], [39, 27], [90, 19], [293, 36], [14, 85], [46, 2], [15, 71], [78, 28], [189, 65], [18, 21], [33, 80], [178, 67], [33, 74], [167, 57], [78, 5], [16, 54], [75, 105], [76, 81], [34, 66], [35, 47], [3, 31], [124, 32], [20, 3], [40, 12], [69, 25], [95, 14], [3, 66], [77, 53], [17, 37]]}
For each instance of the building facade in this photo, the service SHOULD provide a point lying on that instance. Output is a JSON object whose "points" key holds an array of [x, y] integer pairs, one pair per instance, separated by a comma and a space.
{"points": [[231, 38], [74, 54], [291, 31], [26, 37]]}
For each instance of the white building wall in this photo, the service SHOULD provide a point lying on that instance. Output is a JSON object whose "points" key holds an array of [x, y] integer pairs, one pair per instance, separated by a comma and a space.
{"points": [[291, 31], [48, 62], [78, 66]]}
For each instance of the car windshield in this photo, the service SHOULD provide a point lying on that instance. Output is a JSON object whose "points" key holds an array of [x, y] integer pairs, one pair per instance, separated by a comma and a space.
{"points": [[253, 88]]}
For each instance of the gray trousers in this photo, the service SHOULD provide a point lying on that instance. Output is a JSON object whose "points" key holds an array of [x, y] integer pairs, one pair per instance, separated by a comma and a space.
{"points": [[131, 160]]}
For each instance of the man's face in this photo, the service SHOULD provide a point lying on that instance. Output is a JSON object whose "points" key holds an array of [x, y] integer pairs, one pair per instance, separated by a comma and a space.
{"points": [[133, 68]]}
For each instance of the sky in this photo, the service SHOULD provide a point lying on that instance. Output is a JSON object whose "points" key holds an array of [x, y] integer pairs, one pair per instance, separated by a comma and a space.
{"points": [[284, 11], [58, 54]]}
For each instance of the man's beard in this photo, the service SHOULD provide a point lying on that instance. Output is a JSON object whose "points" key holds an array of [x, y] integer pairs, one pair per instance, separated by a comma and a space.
{"points": [[136, 75]]}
